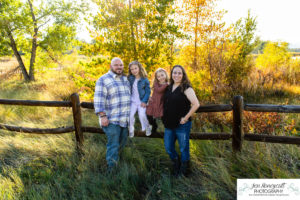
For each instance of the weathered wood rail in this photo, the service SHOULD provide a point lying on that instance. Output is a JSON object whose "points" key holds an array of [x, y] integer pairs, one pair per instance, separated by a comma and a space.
{"points": [[237, 108]]}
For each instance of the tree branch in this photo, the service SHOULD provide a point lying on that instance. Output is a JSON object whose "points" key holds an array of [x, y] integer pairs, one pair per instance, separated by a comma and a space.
{"points": [[43, 24], [44, 15]]}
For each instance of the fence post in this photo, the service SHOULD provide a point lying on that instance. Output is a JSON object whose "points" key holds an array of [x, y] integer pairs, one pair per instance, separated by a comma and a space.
{"points": [[77, 118], [237, 129]]}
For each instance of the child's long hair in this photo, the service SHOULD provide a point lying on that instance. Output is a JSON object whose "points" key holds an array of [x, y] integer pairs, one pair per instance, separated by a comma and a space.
{"points": [[143, 73], [155, 75], [185, 83]]}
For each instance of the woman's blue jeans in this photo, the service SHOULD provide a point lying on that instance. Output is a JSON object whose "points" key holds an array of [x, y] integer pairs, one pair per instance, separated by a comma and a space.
{"points": [[182, 134], [116, 140]]}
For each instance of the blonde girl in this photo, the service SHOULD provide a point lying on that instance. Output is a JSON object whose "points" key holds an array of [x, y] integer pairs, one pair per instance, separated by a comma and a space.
{"points": [[155, 106], [140, 93]]}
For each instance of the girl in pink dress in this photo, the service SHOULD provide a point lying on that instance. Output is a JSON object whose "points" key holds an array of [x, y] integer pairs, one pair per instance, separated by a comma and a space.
{"points": [[155, 105]]}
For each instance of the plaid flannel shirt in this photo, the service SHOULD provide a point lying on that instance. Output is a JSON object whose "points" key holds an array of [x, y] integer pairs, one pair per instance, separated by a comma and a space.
{"points": [[112, 96]]}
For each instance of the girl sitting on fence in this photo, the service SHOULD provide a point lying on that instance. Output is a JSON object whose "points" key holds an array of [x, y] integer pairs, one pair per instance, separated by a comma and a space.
{"points": [[140, 93], [155, 106]]}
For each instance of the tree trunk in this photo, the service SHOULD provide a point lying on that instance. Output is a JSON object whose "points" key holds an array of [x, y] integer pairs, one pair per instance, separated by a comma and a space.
{"points": [[195, 62], [33, 56], [132, 34], [34, 44], [18, 56]]}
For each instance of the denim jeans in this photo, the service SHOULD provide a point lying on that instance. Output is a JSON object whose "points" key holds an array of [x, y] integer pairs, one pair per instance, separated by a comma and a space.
{"points": [[116, 140], [182, 134]]}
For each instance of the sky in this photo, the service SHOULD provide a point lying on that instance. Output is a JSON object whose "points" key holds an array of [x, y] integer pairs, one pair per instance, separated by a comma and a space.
{"points": [[277, 20]]}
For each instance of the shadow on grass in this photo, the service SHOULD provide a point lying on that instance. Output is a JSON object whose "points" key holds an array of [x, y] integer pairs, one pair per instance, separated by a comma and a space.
{"points": [[143, 173]]}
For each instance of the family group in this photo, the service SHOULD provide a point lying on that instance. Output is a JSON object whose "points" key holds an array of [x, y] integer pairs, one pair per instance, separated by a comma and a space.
{"points": [[119, 97]]}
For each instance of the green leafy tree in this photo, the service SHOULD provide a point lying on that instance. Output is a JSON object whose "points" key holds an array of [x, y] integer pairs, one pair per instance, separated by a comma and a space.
{"points": [[28, 25], [4, 46], [246, 42]]}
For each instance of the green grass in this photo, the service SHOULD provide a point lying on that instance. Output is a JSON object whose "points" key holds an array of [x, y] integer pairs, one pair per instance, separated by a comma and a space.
{"points": [[49, 167]]}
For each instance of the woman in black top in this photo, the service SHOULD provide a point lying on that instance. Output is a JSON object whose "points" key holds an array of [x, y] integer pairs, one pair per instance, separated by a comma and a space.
{"points": [[180, 102]]}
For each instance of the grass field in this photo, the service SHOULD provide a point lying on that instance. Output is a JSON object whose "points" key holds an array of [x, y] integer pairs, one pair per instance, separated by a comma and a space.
{"points": [[48, 167]]}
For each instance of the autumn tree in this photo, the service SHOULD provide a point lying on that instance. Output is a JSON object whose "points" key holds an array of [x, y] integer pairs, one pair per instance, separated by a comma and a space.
{"points": [[274, 56], [200, 21], [32, 24], [135, 30], [274, 62], [219, 53]]}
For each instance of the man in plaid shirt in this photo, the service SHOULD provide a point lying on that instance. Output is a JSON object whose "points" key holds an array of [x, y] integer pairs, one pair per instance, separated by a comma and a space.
{"points": [[112, 105]]}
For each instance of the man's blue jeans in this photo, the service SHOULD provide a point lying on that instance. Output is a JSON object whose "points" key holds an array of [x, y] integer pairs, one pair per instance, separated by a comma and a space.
{"points": [[116, 140], [182, 134]]}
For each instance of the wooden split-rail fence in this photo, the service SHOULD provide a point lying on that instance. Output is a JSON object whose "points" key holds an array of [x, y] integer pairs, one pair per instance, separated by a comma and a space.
{"points": [[237, 136]]}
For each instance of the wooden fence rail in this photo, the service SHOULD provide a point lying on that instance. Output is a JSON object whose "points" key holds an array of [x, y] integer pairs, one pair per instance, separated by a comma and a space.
{"points": [[237, 134], [36, 103], [38, 130], [272, 108]]}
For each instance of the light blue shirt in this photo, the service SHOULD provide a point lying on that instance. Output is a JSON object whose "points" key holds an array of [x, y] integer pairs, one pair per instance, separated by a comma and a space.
{"points": [[112, 96]]}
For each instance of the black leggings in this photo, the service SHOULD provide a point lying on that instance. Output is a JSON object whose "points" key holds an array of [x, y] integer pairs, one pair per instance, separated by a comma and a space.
{"points": [[152, 122]]}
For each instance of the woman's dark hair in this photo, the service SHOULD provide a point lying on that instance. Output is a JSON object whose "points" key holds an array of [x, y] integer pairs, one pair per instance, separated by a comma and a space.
{"points": [[185, 82]]}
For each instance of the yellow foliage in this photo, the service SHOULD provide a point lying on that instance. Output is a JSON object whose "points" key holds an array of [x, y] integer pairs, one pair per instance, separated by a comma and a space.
{"points": [[275, 56]]}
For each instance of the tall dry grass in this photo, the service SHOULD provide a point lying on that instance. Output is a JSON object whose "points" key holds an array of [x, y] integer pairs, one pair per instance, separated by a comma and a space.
{"points": [[8, 63]]}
